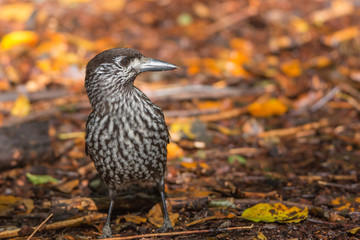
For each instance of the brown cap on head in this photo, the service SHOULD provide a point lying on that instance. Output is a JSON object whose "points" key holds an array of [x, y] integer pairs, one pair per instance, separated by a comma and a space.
{"points": [[109, 55]]}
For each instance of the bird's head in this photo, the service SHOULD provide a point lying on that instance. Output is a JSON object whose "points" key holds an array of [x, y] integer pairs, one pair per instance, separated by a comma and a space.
{"points": [[115, 70]]}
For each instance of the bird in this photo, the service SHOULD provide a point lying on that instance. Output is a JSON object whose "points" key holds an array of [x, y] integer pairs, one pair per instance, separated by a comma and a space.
{"points": [[126, 133]]}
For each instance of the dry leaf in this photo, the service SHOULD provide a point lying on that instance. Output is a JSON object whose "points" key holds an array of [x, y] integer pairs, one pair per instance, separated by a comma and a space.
{"points": [[67, 187], [189, 165], [265, 212], [19, 38], [22, 107], [134, 219], [292, 68], [341, 36], [174, 151], [19, 12], [155, 216], [268, 108], [9, 203]]}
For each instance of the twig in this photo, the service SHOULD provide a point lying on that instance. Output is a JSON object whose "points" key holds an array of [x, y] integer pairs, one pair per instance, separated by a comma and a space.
{"points": [[212, 117], [181, 233], [325, 99], [51, 214], [56, 225], [36, 96], [230, 20], [294, 130], [199, 92], [353, 187]]}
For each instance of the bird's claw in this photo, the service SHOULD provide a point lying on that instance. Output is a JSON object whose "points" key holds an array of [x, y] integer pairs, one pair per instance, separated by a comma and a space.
{"points": [[165, 227], [106, 232]]}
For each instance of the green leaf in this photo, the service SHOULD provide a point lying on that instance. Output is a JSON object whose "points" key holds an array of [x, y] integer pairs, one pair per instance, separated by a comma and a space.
{"points": [[236, 158], [40, 179], [184, 19], [222, 204]]}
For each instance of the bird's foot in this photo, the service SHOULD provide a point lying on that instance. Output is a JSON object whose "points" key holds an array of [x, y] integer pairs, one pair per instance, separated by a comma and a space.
{"points": [[106, 232], [165, 227]]}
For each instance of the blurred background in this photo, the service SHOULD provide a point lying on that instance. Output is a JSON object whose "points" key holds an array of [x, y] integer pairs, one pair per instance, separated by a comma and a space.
{"points": [[265, 101]]}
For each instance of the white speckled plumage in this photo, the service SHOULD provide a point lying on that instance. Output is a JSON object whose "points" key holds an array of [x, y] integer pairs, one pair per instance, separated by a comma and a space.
{"points": [[126, 134]]}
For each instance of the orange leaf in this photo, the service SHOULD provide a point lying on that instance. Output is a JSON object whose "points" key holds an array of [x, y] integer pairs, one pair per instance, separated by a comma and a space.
{"points": [[209, 104], [268, 108], [189, 165], [292, 68], [134, 219], [174, 151]]}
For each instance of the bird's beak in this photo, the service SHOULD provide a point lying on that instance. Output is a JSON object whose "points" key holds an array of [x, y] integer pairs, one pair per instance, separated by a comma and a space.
{"points": [[153, 65]]}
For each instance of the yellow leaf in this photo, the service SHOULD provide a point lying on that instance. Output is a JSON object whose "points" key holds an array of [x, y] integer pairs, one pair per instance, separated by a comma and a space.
{"points": [[179, 128], [292, 68], [354, 230], [174, 151], [19, 38], [44, 65], [261, 236], [71, 135], [8, 204], [300, 25], [19, 12], [265, 212], [267, 109], [135, 219], [22, 107]]}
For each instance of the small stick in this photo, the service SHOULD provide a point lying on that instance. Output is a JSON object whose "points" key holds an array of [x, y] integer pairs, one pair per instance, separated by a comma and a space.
{"points": [[51, 214], [180, 233]]}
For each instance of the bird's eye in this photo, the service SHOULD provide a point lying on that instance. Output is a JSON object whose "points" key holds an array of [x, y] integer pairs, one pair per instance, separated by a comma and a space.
{"points": [[125, 62]]}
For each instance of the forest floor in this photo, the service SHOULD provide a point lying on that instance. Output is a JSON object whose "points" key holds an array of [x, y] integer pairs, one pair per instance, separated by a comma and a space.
{"points": [[264, 109]]}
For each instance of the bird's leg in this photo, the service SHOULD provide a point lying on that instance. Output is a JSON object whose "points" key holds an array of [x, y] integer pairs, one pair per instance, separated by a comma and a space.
{"points": [[167, 224], [106, 232]]}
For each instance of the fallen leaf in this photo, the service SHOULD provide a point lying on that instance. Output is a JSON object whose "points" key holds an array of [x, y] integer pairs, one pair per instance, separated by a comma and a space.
{"points": [[261, 236], [222, 203], [184, 19], [236, 158], [22, 107], [354, 230], [19, 38], [291, 68], [268, 108], [40, 179], [336, 38], [71, 135], [19, 12], [155, 216], [8, 204], [67, 187], [265, 212], [134, 219], [174, 151], [189, 165]]}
